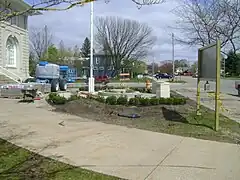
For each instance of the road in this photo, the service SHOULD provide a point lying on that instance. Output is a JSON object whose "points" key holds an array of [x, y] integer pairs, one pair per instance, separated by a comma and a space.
{"points": [[226, 86]]}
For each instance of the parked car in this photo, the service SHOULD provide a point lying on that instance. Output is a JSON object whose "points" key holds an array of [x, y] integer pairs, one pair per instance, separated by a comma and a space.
{"points": [[163, 76], [195, 75], [100, 79]]}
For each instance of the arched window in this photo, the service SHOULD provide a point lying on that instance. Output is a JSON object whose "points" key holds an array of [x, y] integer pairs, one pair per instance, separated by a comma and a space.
{"points": [[11, 52]]}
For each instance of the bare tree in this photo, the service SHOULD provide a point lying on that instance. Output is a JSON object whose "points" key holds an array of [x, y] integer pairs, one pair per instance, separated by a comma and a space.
{"points": [[201, 22], [76, 51], [123, 39], [53, 5], [40, 40], [62, 50]]}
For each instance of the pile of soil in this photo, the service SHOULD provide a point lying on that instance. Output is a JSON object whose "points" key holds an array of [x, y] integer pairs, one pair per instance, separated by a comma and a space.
{"points": [[108, 113], [171, 119]]}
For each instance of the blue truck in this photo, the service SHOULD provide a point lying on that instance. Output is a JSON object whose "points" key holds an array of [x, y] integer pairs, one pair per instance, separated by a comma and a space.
{"points": [[70, 74], [56, 75]]}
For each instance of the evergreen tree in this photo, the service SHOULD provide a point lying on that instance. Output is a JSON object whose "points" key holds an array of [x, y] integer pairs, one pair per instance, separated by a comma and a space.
{"points": [[86, 47], [232, 64]]}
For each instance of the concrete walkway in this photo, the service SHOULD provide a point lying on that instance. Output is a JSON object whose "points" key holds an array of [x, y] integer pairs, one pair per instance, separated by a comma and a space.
{"points": [[115, 150]]}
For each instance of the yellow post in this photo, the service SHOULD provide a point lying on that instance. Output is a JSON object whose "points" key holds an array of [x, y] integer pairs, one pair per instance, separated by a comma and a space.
{"points": [[198, 84], [217, 91]]}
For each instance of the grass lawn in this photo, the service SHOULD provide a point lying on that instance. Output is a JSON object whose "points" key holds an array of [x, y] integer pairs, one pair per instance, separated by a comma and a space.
{"points": [[20, 164]]}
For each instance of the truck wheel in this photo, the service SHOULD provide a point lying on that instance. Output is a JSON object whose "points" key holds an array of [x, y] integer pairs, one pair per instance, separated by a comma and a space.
{"points": [[54, 85], [63, 85], [238, 90]]}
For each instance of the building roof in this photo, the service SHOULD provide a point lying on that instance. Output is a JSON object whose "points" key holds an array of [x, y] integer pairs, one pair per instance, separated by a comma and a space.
{"points": [[23, 6]]}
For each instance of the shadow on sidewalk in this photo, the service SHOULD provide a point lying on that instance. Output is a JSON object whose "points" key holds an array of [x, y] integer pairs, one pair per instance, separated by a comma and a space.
{"points": [[174, 116]]}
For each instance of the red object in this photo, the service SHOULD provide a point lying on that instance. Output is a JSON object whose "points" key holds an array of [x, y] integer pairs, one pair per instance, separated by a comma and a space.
{"points": [[37, 98], [101, 79], [187, 73]]}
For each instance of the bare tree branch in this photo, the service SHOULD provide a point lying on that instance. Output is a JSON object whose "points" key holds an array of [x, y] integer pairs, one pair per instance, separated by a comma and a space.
{"points": [[7, 11], [123, 39], [40, 40], [201, 22]]}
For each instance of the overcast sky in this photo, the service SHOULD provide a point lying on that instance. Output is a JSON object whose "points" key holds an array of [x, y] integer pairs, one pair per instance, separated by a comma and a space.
{"points": [[73, 26]]}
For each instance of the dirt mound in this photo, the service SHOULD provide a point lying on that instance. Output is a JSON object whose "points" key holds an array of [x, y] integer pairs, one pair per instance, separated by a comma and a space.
{"points": [[102, 112]]}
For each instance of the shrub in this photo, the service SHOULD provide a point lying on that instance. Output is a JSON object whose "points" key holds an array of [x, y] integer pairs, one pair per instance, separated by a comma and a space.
{"points": [[144, 101], [182, 101], [52, 95], [122, 100], [73, 98], [162, 100], [154, 101], [83, 88], [101, 99], [57, 99], [112, 100], [134, 101], [172, 101]]}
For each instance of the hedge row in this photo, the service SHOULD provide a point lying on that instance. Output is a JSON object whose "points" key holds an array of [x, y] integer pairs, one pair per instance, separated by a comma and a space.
{"points": [[113, 100], [98, 88], [55, 98]]}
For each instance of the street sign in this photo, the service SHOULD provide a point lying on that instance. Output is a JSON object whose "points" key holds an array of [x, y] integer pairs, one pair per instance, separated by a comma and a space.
{"points": [[209, 68], [207, 64]]}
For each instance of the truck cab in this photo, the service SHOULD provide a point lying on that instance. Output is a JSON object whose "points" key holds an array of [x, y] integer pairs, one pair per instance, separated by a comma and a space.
{"points": [[70, 74]]}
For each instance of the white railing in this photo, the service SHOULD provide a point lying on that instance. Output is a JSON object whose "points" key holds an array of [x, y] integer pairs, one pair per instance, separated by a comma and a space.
{"points": [[10, 75]]}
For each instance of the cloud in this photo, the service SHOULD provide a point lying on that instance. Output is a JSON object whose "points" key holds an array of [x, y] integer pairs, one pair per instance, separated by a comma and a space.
{"points": [[73, 26]]}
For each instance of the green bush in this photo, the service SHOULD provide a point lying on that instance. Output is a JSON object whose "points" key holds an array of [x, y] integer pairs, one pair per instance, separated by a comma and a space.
{"points": [[162, 100], [122, 100], [182, 100], [172, 101], [134, 101], [154, 101], [73, 98], [52, 96], [83, 88], [112, 100], [144, 101], [56, 99], [101, 99]]}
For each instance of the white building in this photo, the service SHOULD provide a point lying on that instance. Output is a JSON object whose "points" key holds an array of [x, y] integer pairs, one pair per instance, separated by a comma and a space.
{"points": [[14, 44]]}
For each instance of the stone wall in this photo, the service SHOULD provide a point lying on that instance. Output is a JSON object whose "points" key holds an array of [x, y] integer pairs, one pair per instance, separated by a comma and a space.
{"points": [[21, 35]]}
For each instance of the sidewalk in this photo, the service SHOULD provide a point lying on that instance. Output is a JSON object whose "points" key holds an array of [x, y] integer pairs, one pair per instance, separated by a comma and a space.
{"points": [[230, 103], [124, 152]]}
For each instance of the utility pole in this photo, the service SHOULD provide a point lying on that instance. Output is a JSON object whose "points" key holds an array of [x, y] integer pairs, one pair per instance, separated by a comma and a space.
{"points": [[224, 67], [46, 40], [173, 56], [91, 78], [153, 66]]}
